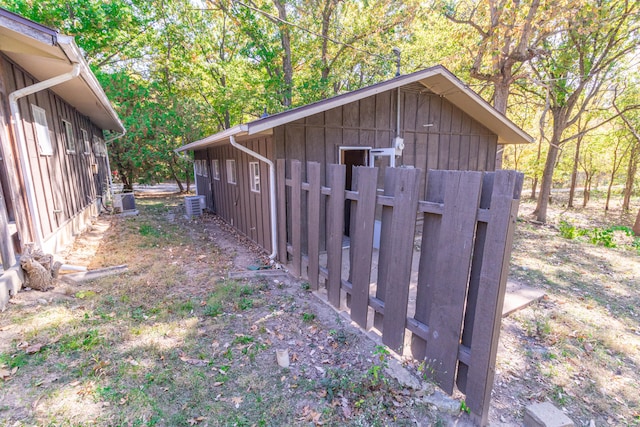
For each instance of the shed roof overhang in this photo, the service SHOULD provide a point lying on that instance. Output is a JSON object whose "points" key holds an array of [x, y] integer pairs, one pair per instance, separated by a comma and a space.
{"points": [[44, 54], [437, 79]]}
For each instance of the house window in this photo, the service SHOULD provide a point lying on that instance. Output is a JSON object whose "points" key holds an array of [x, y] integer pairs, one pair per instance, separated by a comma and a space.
{"points": [[203, 168], [254, 176], [70, 140], [99, 148], [215, 169], [42, 130], [85, 140], [231, 171]]}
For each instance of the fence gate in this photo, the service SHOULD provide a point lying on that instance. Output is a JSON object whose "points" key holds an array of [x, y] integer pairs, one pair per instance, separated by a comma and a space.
{"points": [[447, 294]]}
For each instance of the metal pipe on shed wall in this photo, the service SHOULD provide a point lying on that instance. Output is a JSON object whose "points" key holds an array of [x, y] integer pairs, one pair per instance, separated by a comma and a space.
{"points": [[272, 193]]}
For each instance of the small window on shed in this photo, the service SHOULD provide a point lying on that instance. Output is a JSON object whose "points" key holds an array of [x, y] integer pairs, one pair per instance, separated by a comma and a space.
{"points": [[254, 176], [42, 130], [215, 169], [99, 147], [231, 171], [204, 169], [69, 138], [85, 140]]}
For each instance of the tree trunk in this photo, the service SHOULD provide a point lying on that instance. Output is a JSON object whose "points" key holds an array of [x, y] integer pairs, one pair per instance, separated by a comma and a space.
{"points": [[586, 194], [287, 68], [188, 179], [177, 180], [174, 175], [500, 99], [631, 173], [534, 188], [606, 204], [547, 180], [636, 226], [574, 173], [128, 182]]}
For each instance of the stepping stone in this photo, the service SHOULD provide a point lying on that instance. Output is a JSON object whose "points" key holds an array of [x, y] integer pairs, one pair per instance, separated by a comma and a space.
{"points": [[545, 415], [518, 296]]}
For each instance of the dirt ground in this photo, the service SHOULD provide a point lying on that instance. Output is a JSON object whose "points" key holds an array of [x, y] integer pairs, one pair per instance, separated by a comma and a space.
{"points": [[579, 347], [174, 341]]}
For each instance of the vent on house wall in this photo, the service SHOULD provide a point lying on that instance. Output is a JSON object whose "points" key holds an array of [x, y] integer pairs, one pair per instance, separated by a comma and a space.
{"points": [[194, 205]]}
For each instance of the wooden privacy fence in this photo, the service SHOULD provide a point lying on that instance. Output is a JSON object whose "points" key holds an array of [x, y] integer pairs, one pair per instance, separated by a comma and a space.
{"points": [[454, 312]]}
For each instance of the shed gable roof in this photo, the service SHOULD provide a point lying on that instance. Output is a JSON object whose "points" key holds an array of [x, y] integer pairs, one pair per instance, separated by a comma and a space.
{"points": [[44, 53], [437, 79]]}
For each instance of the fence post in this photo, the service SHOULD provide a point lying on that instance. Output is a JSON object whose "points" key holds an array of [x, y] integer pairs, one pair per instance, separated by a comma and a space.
{"points": [[313, 223], [505, 200], [336, 177], [362, 242]]}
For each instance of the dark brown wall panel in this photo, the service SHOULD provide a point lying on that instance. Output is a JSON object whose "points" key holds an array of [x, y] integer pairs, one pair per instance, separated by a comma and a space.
{"points": [[247, 211], [64, 182]]}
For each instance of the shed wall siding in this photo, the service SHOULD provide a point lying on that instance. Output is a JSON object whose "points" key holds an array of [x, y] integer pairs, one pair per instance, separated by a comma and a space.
{"points": [[246, 210], [437, 135], [65, 184]]}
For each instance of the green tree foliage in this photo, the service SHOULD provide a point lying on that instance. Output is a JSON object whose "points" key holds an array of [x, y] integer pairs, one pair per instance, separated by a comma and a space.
{"points": [[178, 70]]}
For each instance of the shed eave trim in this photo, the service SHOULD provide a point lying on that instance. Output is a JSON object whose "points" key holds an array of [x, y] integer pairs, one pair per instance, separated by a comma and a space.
{"points": [[438, 79], [327, 104], [237, 130]]}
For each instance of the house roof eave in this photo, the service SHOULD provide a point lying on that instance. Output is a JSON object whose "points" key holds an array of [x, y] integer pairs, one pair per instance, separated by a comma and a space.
{"points": [[44, 53]]}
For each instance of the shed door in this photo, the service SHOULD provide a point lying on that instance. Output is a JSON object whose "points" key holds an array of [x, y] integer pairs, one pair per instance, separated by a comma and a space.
{"points": [[352, 156]]}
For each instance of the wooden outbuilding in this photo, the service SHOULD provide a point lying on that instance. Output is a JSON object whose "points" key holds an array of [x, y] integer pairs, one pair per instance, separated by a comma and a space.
{"points": [[428, 120], [54, 167]]}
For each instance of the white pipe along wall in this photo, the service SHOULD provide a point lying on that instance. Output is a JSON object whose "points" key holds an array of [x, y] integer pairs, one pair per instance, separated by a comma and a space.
{"points": [[109, 160], [272, 193], [22, 143]]}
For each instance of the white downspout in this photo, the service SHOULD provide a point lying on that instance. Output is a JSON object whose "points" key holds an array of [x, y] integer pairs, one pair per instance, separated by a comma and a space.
{"points": [[272, 193], [109, 160], [22, 143]]}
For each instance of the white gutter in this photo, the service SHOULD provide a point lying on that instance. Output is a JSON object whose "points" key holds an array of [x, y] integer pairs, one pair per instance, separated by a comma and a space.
{"points": [[22, 142], [272, 193], [74, 54]]}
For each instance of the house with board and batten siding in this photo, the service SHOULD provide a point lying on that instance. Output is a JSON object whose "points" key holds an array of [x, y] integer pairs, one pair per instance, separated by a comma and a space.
{"points": [[428, 120], [54, 165]]}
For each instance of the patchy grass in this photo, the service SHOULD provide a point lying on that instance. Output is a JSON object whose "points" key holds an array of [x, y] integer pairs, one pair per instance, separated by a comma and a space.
{"points": [[580, 347], [172, 342]]}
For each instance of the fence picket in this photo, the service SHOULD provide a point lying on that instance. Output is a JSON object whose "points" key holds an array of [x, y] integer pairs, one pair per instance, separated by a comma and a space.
{"points": [[493, 279], [362, 242], [336, 176], [474, 279], [394, 262], [428, 261], [466, 243], [313, 223], [447, 296], [296, 217], [282, 211]]}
